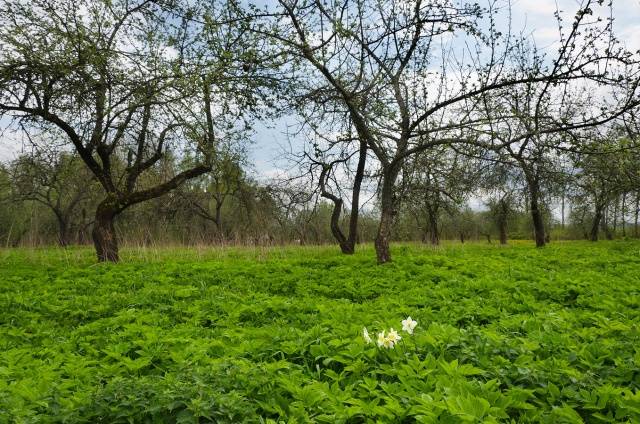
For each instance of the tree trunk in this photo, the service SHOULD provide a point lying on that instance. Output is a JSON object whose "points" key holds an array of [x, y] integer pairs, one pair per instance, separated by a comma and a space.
{"points": [[218, 221], [387, 214], [536, 213], [348, 243], [636, 230], [355, 196], [64, 238], [82, 233], [596, 224], [432, 219], [615, 216], [563, 200], [345, 246], [503, 231], [623, 213], [502, 220], [104, 234], [605, 224]]}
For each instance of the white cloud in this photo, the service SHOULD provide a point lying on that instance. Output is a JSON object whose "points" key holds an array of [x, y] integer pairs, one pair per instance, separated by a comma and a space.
{"points": [[535, 7]]}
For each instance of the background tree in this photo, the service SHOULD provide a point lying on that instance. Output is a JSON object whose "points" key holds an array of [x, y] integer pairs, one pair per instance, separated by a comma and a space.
{"points": [[436, 182], [207, 194], [337, 172], [385, 78], [60, 182], [126, 82], [604, 174], [501, 189]]}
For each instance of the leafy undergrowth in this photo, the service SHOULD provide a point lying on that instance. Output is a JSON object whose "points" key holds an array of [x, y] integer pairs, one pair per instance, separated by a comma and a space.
{"points": [[513, 334]]}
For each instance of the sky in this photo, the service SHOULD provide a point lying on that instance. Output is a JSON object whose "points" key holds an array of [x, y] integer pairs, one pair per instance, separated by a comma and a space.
{"points": [[534, 16], [270, 139]]}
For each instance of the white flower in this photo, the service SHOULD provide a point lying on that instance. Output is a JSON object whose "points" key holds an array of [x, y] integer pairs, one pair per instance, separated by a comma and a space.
{"points": [[388, 343], [408, 325], [381, 339], [393, 336], [365, 334]]}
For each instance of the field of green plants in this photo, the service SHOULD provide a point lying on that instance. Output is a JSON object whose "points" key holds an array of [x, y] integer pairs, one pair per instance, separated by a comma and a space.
{"points": [[511, 334]]}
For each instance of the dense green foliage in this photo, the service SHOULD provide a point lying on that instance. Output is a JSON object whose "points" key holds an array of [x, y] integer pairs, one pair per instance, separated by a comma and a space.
{"points": [[505, 334]]}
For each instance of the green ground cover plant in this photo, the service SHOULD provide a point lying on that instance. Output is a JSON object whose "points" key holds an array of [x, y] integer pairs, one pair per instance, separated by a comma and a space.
{"points": [[503, 334]]}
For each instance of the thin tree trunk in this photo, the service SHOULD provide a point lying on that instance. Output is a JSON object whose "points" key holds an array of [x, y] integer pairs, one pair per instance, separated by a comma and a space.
{"points": [[596, 224], [387, 214], [432, 219], [355, 196], [502, 220], [615, 215], [563, 204], [218, 221], [536, 213], [636, 230], [104, 234], [348, 243], [623, 212], [605, 224], [345, 246]]}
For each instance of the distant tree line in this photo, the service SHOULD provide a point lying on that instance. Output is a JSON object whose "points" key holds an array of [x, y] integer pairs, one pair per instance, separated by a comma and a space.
{"points": [[136, 115], [49, 199]]}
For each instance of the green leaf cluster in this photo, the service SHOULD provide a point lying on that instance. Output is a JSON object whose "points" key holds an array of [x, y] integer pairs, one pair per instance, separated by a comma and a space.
{"points": [[507, 334]]}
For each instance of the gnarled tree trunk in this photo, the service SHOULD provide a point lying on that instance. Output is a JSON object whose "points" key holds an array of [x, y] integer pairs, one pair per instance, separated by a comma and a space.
{"points": [[387, 215], [104, 233], [347, 243], [536, 213], [64, 233], [64, 236]]}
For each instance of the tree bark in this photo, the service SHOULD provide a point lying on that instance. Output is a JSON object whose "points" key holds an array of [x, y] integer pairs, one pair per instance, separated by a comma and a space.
{"points": [[615, 215], [355, 197], [347, 243], [387, 215], [64, 238], [623, 211], [104, 234], [563, 200], [218, 220], [502, 220], [346, 246], [596, 224], [432, 219], [636, 230], [503, 231], [605, 223], [536, 213]]}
